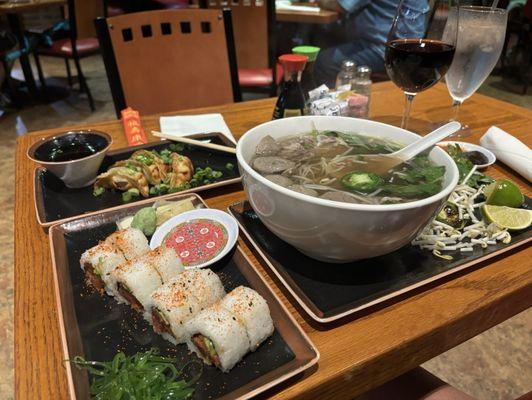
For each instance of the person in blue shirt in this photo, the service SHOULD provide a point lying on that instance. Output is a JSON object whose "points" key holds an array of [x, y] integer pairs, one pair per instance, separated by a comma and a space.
{"points": [[368, 24]]}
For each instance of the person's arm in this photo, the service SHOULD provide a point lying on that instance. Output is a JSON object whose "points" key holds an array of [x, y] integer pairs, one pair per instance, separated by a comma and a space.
{"points": [[343, 6]]}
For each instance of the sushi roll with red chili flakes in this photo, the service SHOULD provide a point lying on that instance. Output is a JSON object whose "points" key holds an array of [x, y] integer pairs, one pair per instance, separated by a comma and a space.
{"points": [[134, 282], [217, 337], [252, 311], [98, 262], [165, 260], [130, 241], [203, 284], [182, 298]]}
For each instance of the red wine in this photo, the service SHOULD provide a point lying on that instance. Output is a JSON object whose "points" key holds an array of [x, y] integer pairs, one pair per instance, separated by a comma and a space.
{"points": [[417, 64]]}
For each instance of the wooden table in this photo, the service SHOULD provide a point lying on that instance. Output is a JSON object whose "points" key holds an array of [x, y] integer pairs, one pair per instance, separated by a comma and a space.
{"points": [[307, 17], [355, 355], [13, 11]]}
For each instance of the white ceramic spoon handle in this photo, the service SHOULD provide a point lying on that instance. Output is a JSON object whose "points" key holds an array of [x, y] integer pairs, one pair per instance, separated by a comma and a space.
{"points": [[428, 140]]}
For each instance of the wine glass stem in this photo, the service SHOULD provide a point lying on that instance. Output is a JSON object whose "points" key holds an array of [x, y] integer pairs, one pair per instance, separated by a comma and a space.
{"points": [[456, 109], [409, 97]]}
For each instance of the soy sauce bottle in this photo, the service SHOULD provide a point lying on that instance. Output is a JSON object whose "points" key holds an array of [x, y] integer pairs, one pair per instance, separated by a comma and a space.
{"points": [[308, 82], [291, 101]]}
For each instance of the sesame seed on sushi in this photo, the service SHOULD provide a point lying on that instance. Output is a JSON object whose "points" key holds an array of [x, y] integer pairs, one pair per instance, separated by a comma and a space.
{"points": [[130, 241], [252, 311]]}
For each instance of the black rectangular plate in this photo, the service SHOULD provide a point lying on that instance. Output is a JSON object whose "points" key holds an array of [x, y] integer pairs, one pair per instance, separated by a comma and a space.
{"points": [[328, 292], [97, 327], [56, 203]]}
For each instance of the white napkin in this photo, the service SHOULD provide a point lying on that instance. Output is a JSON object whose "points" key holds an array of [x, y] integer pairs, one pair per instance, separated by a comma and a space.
{"points": [[185, 125], [287, 5], [509, 150]]}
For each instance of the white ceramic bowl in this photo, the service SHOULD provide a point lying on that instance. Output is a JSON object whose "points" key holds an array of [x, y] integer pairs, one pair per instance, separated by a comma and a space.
{"points": [[226, 220], [333, 231], [465, 146]]}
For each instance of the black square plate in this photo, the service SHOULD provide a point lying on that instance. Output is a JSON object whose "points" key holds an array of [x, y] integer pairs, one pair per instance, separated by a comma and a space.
{"points": [[55, 203], [328, 292], [97, 327]]}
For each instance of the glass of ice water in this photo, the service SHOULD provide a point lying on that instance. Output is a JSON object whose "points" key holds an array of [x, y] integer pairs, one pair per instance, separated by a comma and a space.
{"points": [[481, 32]]}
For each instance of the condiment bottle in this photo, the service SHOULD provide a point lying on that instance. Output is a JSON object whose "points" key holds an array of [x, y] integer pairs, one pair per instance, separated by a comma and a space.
{"points": [[346, 75], [291, 101], [307, 79], [362, 85]]}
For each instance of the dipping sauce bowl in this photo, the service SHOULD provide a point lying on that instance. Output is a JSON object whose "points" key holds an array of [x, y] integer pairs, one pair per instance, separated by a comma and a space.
{"points": [[74, 157]]}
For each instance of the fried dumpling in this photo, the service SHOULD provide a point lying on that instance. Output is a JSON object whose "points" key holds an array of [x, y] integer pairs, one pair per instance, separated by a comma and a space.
{"points": [[123, 178], [182, 170]]}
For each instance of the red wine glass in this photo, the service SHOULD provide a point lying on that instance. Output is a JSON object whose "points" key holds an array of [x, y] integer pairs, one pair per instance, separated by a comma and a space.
{"points": [[417, 56]]}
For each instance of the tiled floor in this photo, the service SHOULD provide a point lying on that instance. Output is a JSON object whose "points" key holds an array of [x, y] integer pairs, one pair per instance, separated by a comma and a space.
{"points": [[493, 366]]}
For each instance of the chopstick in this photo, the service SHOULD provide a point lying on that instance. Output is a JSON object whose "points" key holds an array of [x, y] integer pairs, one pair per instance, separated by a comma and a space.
{"points": [[194, 142]]}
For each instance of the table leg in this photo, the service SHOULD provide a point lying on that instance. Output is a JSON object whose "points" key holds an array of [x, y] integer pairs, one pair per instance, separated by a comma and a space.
{"points": [[16, 27]]}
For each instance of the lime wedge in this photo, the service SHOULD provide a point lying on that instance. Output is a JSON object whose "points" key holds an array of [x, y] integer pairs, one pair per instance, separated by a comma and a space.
{"points": [[504, 193], [513, 219]]}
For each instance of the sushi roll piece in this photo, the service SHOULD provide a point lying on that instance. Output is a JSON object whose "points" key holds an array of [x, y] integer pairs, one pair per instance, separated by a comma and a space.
{"points": [[134, 282], [217, 337], [182, 298], [203, 284], [252, 311], [171, 307], [165, 260], [98, 262], [130, 241]]}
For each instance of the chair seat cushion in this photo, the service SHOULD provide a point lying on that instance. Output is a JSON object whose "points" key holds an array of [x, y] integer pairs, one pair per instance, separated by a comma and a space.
{"points": [[258, 77], [64, 47]]}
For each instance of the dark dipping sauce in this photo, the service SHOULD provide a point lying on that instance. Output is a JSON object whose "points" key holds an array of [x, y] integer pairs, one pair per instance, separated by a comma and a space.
{"points": [[476, 157], [71, 146]]}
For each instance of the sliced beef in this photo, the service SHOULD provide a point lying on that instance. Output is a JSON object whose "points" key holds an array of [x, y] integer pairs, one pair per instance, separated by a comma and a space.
{"points": [[303, 189], [280, 180], [267, 147], [272, 165], [339, 196]]}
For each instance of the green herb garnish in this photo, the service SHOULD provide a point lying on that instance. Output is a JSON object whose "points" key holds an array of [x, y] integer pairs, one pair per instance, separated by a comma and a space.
{"points": [[204, 176], [98, 191], [176, 147], [229, 166], [130, 195], [146, 376]]}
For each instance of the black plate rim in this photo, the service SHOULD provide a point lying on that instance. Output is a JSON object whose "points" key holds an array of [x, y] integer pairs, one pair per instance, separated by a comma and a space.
{"points": [[323, 319], [37, 189], [252, 393]]}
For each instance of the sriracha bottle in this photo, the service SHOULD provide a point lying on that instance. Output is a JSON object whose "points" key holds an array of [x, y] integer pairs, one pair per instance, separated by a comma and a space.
{"points": [[291, 101]]}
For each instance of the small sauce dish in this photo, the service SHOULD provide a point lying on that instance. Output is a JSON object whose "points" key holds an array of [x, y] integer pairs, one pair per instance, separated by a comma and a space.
{"points": [[74, 157], [200, 237], [470, 147]]}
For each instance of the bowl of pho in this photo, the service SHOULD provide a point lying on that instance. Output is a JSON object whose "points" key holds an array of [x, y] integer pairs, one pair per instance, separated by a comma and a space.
{"points": [[306, 180]]}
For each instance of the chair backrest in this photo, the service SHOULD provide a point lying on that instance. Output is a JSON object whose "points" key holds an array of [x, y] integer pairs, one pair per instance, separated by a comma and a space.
{"points": [[167, 60], [253, 24]]}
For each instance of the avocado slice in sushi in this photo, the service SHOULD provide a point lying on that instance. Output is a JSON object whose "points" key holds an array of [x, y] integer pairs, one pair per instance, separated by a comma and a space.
{"points": [[207, 349]]}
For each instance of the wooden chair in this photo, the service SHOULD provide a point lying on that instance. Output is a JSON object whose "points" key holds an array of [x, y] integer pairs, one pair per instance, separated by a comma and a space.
{"points": [[254, 26], [82, 41], [167, 60]]}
